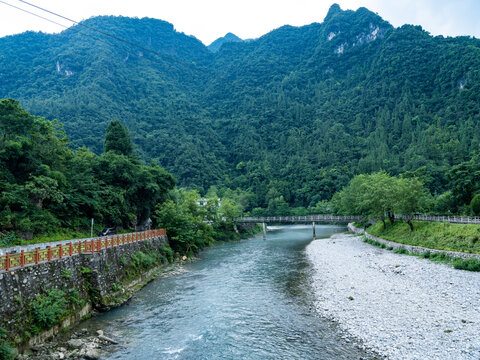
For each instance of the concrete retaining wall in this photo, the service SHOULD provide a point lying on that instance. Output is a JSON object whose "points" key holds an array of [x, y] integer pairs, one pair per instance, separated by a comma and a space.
{"points": [[90, 276]]}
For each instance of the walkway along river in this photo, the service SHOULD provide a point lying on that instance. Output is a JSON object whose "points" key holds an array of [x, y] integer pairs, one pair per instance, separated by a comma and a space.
{"points": [[242, 300]]}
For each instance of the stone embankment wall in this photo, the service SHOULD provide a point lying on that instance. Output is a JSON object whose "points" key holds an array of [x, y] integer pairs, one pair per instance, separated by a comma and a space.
{"points": [[100, 280], [411, 248]]}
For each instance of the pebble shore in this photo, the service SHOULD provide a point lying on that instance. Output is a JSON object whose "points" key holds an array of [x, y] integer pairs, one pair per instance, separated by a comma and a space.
{"points": [[399, 306]]}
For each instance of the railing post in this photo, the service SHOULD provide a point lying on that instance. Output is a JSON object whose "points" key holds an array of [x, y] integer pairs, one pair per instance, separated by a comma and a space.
{"points": [[49, 253], [60, 251], [37, 255], [93, 247], [7, 261], [70, 249], [22, 259]]}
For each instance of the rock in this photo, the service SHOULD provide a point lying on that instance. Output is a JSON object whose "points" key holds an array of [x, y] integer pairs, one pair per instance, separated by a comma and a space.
{"points": [[36, 348], [75, 343], [92, 354], [107, 339], [100, 332]]}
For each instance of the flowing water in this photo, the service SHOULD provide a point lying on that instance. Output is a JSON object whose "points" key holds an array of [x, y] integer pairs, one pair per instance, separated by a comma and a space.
{"points": [[241, 300]]}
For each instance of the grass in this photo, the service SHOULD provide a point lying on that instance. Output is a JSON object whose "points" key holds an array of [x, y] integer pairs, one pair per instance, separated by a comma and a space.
{"points": [[469, 264], [433, 235]]}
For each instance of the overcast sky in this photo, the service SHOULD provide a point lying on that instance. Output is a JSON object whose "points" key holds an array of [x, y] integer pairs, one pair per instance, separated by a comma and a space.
{"points": [[209, 19]]}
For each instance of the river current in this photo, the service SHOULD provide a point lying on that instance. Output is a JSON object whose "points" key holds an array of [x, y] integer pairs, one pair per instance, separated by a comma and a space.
{"points": [[250, 299]]}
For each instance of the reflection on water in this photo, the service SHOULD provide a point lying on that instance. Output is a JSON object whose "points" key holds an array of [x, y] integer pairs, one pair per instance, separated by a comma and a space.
{"points": [[243, 300]]}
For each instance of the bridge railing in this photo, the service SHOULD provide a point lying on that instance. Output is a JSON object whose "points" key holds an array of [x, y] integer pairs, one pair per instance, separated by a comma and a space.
{"points": [[449, 219], [307, 218], [343, 219], [23, 258]]}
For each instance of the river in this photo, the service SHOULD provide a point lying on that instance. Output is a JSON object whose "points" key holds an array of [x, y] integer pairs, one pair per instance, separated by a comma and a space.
{"points": [[241, 300]]}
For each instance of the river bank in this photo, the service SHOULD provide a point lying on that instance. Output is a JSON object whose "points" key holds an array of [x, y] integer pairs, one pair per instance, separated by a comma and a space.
{"points": [[399, 306], [239, 300]]}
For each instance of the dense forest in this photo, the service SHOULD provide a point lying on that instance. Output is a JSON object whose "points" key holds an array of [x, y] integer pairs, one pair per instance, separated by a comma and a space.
{"points": [[284, 120], [47, 188]]}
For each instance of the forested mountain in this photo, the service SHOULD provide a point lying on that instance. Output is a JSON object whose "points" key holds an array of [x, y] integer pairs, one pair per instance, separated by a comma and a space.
{"points": [[215, 46], [291, 116]]}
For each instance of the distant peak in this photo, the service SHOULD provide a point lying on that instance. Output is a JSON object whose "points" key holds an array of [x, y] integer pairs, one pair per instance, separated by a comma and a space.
{"points": [[334, 9], [229, 37]]}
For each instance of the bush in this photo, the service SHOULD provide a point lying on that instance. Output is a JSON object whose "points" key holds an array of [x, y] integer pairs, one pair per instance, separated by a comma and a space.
{"points": [[475, 204], [9, 240], [7, 352], [471, 264], [140, 260], [401, 250], [49, 308]]}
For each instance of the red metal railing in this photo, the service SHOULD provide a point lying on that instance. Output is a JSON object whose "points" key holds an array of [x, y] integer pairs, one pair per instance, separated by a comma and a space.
{"points": [[21, 259]]}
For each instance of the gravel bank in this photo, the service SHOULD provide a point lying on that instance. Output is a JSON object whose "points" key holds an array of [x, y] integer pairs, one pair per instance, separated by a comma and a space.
{"points": [[400, 306]]}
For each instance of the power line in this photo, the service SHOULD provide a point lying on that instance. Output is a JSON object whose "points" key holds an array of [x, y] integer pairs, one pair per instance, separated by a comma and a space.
{"points": [[91, 36], [125, 41], [31, 13]]}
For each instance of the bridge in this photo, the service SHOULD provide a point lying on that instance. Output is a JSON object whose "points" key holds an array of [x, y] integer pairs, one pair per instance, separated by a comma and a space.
{"points": [[309, 219], [300, 219], [347, 219]]}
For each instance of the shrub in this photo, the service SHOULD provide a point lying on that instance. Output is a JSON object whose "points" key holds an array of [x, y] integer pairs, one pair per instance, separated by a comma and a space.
{"points": [[47, 309], [401, 250], [66, 274], [6, 351], [140, 260], [471, 264], [9, 240], [475, 204]]}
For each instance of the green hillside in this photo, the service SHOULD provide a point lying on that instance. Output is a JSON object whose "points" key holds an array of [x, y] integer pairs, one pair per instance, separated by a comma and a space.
{"points": [[294, 114]]}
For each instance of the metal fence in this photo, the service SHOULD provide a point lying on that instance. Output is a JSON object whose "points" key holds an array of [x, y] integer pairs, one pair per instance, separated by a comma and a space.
{"points": [[299, 219], [449, 219], [23, 258], [346, 219]]}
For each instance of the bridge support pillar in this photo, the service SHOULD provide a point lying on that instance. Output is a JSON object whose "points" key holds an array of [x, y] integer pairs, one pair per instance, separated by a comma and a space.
{"points": [[264, 231], [314, 235]]}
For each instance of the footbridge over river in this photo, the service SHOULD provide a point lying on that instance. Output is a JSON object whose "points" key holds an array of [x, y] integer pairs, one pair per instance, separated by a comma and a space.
{"points": [[309, 219]]}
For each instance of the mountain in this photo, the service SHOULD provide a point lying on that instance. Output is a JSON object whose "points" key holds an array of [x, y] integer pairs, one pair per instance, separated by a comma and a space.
{"points": [[229, 37], [293, 114]]}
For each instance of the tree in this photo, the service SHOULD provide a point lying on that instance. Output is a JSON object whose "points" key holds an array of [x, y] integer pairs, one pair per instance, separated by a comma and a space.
{"points": [[379, 195], [475, 204], [371, 196], [117, 139], [411, 197], [186, 222]]}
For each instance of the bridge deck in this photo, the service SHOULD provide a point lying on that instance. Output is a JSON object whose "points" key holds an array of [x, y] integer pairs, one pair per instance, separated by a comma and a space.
{"points": [[347, 219], [300, 219]]}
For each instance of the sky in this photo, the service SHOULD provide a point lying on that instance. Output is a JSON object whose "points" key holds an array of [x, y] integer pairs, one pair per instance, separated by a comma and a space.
{"points": [[208, 20]]}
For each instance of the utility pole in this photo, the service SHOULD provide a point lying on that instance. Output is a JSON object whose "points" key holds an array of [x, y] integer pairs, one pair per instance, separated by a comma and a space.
{"points": [[91, 229]]}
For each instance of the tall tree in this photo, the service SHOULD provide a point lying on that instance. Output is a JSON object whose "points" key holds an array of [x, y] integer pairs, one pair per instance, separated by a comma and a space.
{"points": [[117, 139]]}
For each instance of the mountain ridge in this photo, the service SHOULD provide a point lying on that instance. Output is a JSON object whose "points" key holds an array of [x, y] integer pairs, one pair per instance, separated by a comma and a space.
{"points": [[295, 113]]}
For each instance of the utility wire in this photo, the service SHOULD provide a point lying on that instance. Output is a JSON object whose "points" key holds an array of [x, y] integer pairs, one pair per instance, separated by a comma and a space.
{"points": [[92, 37], [31, 13], [125, 41]]}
